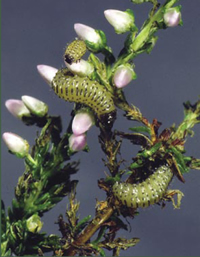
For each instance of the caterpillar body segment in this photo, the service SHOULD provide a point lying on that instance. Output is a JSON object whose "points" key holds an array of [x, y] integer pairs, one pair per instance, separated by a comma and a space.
{"points": [[74, 51], [82, 90], [145, 193]]}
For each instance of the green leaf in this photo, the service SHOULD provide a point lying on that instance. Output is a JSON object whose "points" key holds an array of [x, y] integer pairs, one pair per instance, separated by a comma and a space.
{"points": [[136, 138], [136, 165], [7, 253], [150, 44], [95, 61], [103, 38], [42, 199], [81, 224], [99, 237], [10, 215], [179, 157], [112, 180], [194, 163], [191, 118], [141, 129], [4, 249], [100, 250], [151, 151], [121, 243]]}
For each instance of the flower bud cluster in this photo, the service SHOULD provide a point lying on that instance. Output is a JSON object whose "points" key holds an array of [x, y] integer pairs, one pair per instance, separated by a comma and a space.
{"points": [[26, 107], [81, 123]]}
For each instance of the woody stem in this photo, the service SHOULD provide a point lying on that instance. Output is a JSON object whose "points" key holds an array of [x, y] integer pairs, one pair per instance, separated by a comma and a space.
{"points": [[89, 231]]}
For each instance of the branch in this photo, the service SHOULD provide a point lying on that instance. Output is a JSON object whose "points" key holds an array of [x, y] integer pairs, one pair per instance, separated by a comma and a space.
{"points": [[89, 231]]}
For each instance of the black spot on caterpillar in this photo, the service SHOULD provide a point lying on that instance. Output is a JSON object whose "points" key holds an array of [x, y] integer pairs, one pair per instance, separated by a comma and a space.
{"points": [[82, 90], [74, 51], [145, 193]]}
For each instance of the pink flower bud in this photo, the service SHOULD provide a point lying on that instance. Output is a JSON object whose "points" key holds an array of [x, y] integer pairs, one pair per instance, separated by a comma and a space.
{"points": [[81, 123], [77, 143], [35, 106], [47, 72], [121, 21], [172, 17], [82, 68], [16, 144], [17, 108], [123, 76], [87, 33]]}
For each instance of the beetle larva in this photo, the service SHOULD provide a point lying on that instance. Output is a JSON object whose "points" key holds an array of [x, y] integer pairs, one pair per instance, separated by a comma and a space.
{"points": [[77, 89], [145, 193], [75, 51]]}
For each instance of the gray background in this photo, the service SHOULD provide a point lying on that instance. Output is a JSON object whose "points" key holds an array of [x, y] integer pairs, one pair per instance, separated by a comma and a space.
{"points": [[36, 32]]}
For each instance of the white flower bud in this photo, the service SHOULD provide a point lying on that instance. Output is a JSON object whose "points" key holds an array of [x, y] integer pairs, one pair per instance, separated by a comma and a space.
{"points": [[77, 143], [16, 144], [123, 76], [82, 122], [121, 21], [82, 68], [34, 223], [35, 106], [87, 33], [172, 17], [94, 39], [17, 108], [47, 72]]}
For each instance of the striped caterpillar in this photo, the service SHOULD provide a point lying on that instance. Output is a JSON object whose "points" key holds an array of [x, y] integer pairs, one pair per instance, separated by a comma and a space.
{"points": [[75, 51], [82, 90], [145, 193]]}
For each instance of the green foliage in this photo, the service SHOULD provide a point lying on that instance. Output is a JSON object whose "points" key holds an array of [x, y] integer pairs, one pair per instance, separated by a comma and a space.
{"points": [[46, 180], [48, 168]]}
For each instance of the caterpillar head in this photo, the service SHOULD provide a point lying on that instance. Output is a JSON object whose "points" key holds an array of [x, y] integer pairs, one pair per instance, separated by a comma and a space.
{"points": [[68, 58]]}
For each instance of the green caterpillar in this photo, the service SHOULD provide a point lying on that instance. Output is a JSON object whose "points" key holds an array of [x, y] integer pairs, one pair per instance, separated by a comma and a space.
{"points": [[145, 193], [82, 90], [75, 51]]}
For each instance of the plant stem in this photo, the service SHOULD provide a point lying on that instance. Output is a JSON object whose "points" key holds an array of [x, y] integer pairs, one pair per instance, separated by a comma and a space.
{"points": [[89, 231], [143, 36]]}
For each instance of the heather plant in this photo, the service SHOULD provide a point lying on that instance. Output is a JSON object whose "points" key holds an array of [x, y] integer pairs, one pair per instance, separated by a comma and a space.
{"points": [[95, 87]]}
